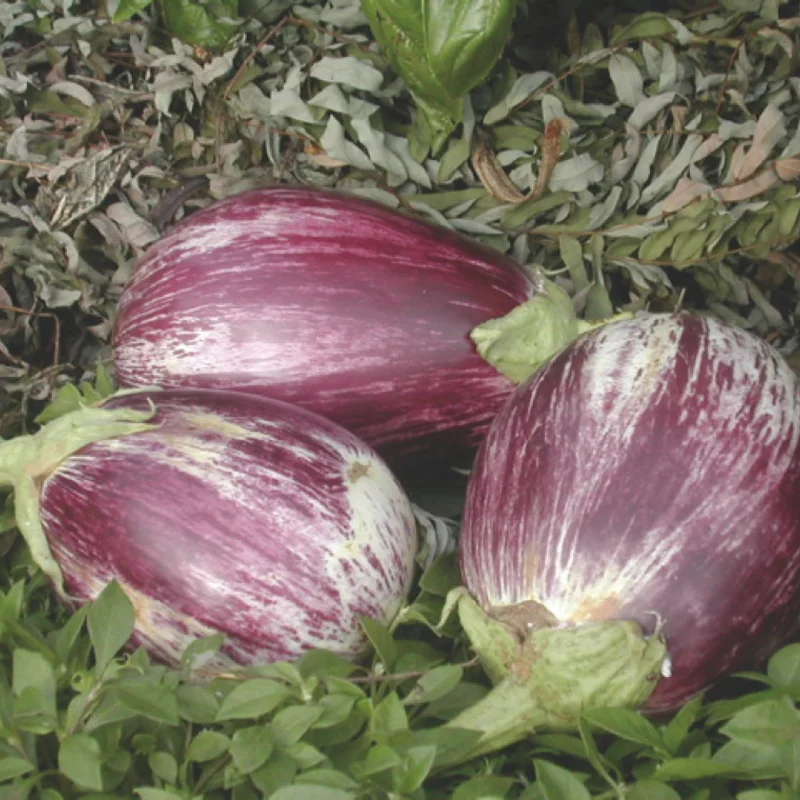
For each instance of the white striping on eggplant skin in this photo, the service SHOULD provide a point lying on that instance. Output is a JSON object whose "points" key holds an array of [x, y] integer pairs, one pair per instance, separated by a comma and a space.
{"points": [[329, 301], [653, 466], [239, 515]]}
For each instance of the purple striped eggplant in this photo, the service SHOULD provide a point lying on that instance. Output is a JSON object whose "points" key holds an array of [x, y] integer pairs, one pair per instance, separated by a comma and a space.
{"points": [[217, 512], [353, 310], [648, 475]]}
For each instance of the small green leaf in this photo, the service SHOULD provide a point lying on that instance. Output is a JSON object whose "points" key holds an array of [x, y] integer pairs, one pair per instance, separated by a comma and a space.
{"points": [[128, 8], [80, 759], [678, 728], [155, 702], [628, 724], [200, 647], [645, 26], [66, 399], [12, 767], [279, 771], [111, 619], [164, 766], [312, 792], [32, 671], [251, 747], [380, 758], [197, 704], [331, 778], [207, 746], [417, 765], [252, 699], [774, 722], [381, 640], [435, 684], [442, 576], [484, 786], [558, 783], [652, 790], [147, 793], [690, 769], [290, 724], [784, 669], [323, 664], [207, 24], [389, 716]]}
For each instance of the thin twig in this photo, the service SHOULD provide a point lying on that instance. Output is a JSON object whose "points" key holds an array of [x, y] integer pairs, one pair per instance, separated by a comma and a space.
{"points": [[57, 338], [404, 676]]}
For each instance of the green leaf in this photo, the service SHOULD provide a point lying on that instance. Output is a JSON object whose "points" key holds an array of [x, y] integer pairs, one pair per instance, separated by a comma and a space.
{"points": [[207, 24], [644, 26], [164, 766], [381, 640], [12, 767], [442, 49], [197, 704], [66, 399], [774, 722], [290, 724], [558, 783], [32, 671], [327, 777], [128, 8], [147, 793], [207, 746], [312, 792], [323, 664], [389, 716], [418, 764], [484, 786], [251, 747], [690, 769], [678, 728], [80, 759], [110, 619], [652, 790], [380, 758], [279, 771], [435, 684], [784, 669], [441, 576], [200, 647], [252, 699], [628, 724], [155, 702]]}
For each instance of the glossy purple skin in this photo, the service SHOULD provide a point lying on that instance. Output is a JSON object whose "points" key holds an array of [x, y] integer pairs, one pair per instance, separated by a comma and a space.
{"points": [[238, 515], [652, 468], [333, 302]]}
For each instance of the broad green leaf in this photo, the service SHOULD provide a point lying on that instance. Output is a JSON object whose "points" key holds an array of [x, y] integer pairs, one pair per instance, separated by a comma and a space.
{"points": [[784, 669], [435, 684], [324, 663], [290, 724], [330, 778], [389, 716], [200, 647], [207, 746], [197, 704], [32, 671], [773, 722], [442, 48], [12, 767], [80, 759], [381, 639], [279, 771], [418, 764], [690, 769], [380, 758], [442, 576], [758, 759], [110, 621], [484, 786], [207, 24], [252, 699], [66, 399], [628, 724], [155, 702], [678, 727], [558, 783], [644, 26], [164, 766], [146, 793], [652, 790], [312, 792], [251, 747], [128, 8]]}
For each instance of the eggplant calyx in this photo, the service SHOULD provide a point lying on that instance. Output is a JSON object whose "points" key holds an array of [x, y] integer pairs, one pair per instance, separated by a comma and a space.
{"points": [[28, 460], [520, 342], [551, 677]]}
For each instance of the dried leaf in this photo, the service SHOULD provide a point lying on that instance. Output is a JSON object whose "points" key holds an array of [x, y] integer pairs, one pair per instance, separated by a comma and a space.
{"points": [[787, 169], [744, 191], [684, 193], [491, 174], [770, 129]]}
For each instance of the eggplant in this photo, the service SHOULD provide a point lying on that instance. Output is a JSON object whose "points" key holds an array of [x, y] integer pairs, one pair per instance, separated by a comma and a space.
{"points": [[326, 300], [649, 476], [217, 512]]}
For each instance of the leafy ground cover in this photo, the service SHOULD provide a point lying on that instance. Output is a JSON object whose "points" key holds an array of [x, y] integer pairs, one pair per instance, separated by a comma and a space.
{"points": [[642, 155]]}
